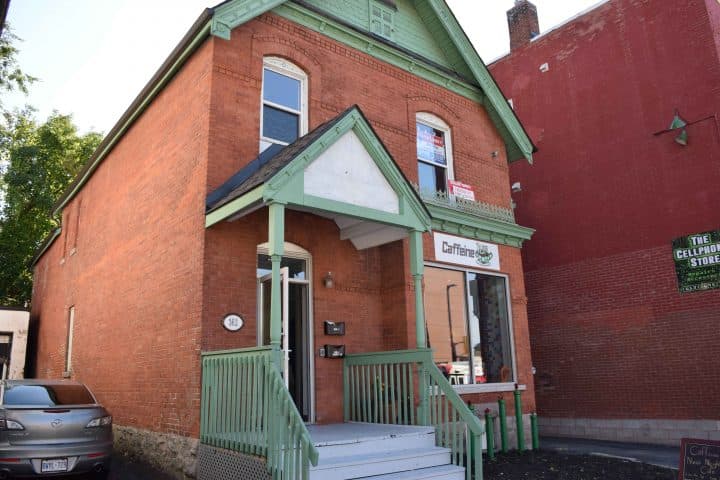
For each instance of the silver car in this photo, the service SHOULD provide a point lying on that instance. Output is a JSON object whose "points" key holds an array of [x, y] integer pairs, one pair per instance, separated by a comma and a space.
{"points": [[52, 428]]}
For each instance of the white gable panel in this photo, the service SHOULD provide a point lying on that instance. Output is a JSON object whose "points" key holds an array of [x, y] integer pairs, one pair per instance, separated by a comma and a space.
{"points": [[346, 173]]}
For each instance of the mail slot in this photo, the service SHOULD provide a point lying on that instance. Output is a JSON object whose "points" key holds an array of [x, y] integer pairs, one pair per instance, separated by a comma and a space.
{"points": [[334, 328], [335, 351]]}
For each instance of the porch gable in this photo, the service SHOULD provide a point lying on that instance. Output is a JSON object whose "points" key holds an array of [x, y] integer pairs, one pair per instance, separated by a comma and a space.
{"points": [[340, 170]]}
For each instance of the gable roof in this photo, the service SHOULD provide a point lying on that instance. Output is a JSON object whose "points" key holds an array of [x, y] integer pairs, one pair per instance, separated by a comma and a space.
{"points": [[277, 174], [221, 19], [267, 164]]}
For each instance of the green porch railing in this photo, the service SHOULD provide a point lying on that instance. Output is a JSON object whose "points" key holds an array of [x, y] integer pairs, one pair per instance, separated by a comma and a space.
{"points": [[407, 388], [245, 407]]}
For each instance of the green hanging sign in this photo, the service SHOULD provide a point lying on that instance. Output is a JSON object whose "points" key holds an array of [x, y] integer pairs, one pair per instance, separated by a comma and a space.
{"points": [[697, 261]]}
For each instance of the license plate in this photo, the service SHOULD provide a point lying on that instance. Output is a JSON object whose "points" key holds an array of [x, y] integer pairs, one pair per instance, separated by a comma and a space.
{"points": [[54, 465]]}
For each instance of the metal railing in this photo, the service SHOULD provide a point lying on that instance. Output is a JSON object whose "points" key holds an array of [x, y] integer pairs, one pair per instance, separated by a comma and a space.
{"points": [[407, 388], [246, 407], [477, 208]]}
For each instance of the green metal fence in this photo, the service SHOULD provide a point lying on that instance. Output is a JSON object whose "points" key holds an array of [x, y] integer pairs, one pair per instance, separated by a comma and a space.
{"points": [[407, 388], [245, 407]]}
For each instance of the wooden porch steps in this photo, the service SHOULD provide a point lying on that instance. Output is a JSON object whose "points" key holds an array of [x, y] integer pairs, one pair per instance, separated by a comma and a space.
{"points": [[380, 452]]}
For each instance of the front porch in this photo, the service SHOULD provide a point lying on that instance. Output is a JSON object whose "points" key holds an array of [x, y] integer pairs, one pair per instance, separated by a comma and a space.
{"points": [[402, 419], [253, 400]]}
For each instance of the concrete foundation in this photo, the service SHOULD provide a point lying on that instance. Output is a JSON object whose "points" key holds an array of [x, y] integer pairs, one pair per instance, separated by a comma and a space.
{"points": [[173, 454], [653, 431]]}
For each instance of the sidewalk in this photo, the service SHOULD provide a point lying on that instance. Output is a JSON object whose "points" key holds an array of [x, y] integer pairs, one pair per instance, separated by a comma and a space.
{"points": [[659, 455]]}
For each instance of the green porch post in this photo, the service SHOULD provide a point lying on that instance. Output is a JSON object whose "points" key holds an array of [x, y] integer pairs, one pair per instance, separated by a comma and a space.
{"points": [[276, 242], [416, 269]]}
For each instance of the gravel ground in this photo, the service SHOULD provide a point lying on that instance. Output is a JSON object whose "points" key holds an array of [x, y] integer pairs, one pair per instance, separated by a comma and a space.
{"points": [[547, 465]]}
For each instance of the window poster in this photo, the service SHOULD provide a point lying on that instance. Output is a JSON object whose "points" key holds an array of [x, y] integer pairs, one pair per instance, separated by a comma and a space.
{"points": [[430, 145], [697, 261]]}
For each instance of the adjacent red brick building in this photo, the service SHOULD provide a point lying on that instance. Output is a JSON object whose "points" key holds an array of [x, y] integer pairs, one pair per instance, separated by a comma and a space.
{"points": [[620, 352], [176, 222]]}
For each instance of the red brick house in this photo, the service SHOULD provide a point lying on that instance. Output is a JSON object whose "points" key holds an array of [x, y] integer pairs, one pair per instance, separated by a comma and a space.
{"points": [[622, 275], [305, 197]]}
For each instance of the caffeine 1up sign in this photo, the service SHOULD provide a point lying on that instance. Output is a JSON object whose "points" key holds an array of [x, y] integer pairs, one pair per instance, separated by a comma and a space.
{"points": [[697, 261]]}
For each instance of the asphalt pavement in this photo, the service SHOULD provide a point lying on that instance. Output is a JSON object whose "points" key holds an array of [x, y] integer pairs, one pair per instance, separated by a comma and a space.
{"points": [[659, 455], [124, 468]]}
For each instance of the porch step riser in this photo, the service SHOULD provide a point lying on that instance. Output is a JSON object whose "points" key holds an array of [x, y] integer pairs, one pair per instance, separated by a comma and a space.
{"points": [[379, 465], [448, 472], [381, 445]]}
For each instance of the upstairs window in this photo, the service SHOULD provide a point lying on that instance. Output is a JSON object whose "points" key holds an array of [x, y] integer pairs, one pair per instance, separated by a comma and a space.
{"points": [[284, 103], [434, 153], [381, 19]]}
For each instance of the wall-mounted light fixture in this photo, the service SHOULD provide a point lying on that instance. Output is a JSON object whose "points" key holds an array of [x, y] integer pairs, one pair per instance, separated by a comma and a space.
{"points": [[680, 126], [516, 187], [328, 280]]}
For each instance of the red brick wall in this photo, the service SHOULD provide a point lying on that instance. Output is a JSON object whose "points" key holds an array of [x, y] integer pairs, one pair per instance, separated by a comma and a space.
{"points": [[136, 277], [151, 284], [380, 309], [612, 337], [338, 78]]}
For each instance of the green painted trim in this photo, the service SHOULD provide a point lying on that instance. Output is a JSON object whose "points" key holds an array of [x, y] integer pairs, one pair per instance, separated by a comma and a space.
{"points": [[276, 245], [378, 49], [236, 351], [393, 356], [287, 185], [416, 269], [487, 229], [496, 99], [119, 131], [363, 213], [489, 94], [45, 246], [235, 206], [232, 14]]}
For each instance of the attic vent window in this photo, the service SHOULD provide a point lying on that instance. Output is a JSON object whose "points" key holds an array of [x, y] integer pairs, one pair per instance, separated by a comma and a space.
{"points": [[382, 19]]}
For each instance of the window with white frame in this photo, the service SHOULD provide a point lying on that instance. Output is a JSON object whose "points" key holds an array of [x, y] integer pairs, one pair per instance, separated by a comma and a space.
{"points": [[469, 326], [434, 153], [284, 103], [69, 342]]}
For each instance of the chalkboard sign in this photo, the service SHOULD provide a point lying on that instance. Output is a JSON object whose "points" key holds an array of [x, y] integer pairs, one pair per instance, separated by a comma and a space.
{"points": [[699, 459]]}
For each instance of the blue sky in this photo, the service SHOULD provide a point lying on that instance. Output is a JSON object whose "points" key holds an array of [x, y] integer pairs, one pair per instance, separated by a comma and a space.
{"points": [[94, 56]]}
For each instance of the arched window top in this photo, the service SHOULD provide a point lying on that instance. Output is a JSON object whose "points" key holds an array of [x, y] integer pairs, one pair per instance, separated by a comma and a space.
{"points": [[432, 120], [284, 113], [290, 250], [284, 66]]}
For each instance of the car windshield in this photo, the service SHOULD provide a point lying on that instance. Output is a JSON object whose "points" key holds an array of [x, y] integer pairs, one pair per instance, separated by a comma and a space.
{"points": [[47, 395]]}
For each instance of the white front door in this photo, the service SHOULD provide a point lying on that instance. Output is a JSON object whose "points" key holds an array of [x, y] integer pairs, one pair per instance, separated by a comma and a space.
{"points": [[295, 334]]}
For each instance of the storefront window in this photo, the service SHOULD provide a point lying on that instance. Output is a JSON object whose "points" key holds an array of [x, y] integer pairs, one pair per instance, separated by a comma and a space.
{"points": [[468, 325]]}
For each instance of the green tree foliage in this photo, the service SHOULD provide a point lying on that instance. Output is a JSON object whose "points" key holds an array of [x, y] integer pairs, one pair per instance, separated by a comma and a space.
{"points": [[11, 76], [42, 160]]}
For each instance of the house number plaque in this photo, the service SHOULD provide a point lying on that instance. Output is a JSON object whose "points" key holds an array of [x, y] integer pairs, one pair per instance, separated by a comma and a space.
{"points": [[233, 322]]}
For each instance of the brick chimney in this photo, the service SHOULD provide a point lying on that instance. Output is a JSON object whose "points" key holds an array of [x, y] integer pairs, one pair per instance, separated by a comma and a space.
{"points": [[522, 23]]}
